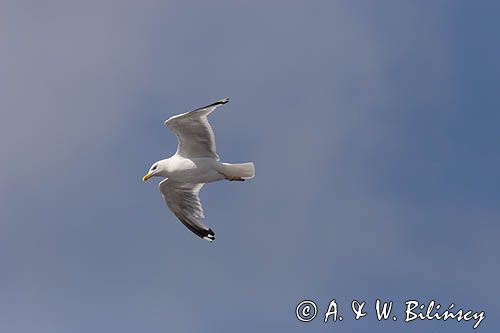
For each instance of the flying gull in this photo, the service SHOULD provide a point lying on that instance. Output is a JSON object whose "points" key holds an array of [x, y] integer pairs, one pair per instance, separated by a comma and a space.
{"points": [[195, 163]]}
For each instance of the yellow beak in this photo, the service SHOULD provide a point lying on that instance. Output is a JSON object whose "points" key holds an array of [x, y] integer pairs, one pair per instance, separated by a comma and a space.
{"points": [[147, 176]]}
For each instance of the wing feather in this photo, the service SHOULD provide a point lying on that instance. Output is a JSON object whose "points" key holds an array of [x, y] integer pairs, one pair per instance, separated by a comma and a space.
{"points": [[184, 201], [194, 133]]}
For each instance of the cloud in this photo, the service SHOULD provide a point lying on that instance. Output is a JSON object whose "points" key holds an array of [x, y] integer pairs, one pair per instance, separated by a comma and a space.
{"points": [[341, 106]]}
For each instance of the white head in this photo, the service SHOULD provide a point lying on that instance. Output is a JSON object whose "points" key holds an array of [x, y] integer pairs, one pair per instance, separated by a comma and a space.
{"points": [[158, 169]]}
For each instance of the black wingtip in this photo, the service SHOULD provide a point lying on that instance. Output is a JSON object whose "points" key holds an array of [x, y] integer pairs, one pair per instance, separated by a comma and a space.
{"points": [[222, 101], [210, 236]]}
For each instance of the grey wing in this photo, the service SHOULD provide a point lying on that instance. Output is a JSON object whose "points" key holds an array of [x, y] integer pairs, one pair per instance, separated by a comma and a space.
{"points": [[184, 201], [195, 135]]}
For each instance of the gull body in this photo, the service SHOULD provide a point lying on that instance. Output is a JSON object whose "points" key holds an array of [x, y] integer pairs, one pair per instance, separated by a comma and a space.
{"points": [[194, 164], [190, 170]]}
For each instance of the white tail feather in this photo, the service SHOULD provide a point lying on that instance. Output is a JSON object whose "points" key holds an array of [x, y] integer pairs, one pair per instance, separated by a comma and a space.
{"points": [[240, 170]]}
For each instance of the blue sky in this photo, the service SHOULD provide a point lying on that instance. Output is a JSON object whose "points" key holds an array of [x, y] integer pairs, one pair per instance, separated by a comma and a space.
{"points": [[373, 128]]}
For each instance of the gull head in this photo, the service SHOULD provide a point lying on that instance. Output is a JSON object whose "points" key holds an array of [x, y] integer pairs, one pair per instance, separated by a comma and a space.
{"points": [[155, 170]]}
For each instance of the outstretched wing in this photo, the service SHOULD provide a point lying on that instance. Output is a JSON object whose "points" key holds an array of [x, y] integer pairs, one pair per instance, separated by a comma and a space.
{"points": [[184, 202], [195, 135]]}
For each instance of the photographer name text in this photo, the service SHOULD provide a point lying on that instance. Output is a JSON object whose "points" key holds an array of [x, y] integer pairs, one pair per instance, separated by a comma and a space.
{"points": [[307, 311]]}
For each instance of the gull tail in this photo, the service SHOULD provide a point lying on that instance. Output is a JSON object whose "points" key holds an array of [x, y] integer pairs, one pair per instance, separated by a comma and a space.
{"points": [[238, 171]]}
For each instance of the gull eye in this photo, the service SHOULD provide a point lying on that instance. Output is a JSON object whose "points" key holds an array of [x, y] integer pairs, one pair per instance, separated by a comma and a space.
{"points": [[154, 167]]}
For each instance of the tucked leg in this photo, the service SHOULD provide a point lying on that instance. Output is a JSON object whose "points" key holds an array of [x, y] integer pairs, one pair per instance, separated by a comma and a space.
{"points": [[239, 179]]}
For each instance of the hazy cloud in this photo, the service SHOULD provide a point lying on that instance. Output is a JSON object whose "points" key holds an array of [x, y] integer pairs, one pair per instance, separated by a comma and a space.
{"points": [[349, 111]]}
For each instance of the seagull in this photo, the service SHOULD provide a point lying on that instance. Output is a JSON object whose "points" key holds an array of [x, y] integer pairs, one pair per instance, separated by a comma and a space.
{"points": [[194, 164]]}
